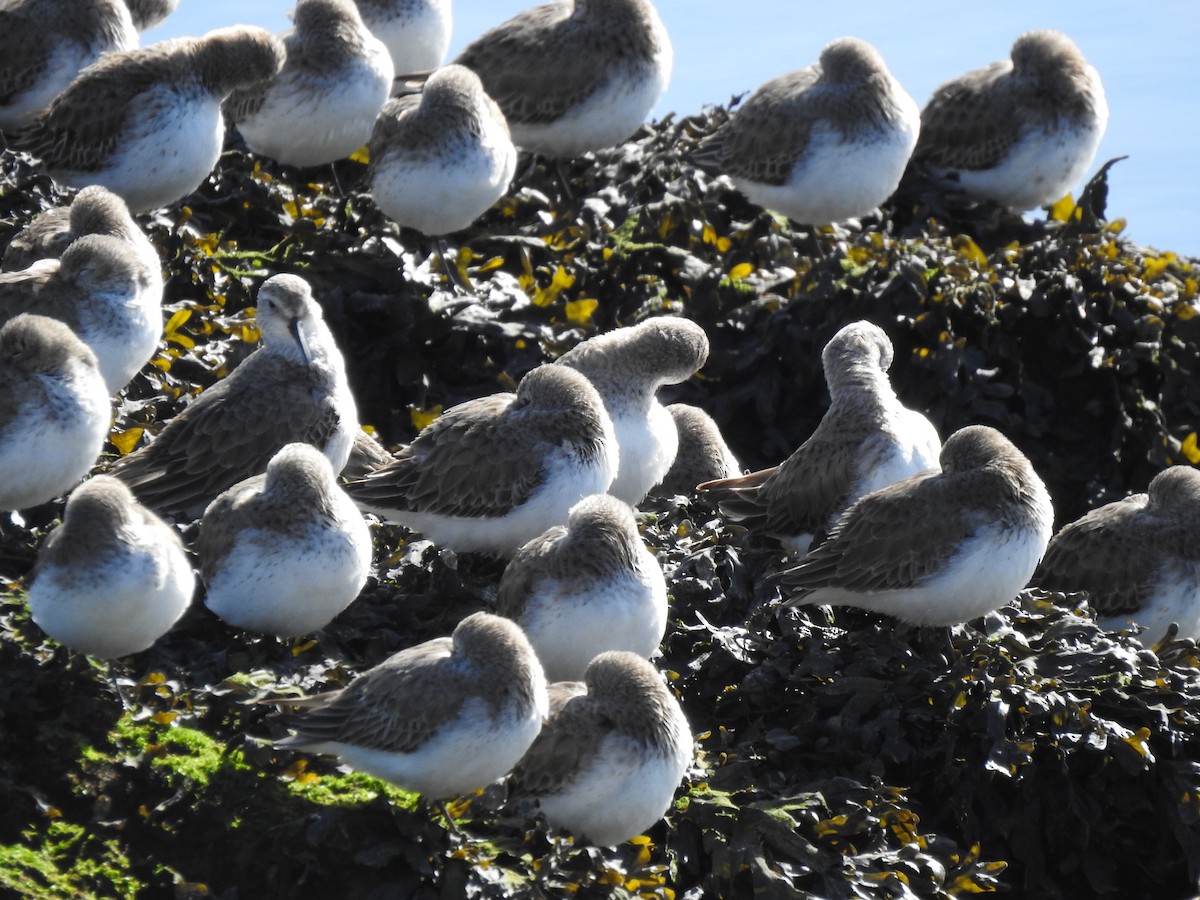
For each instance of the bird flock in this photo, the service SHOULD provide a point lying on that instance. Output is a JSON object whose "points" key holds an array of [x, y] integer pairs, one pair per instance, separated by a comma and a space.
{"points": [[555, 690]]}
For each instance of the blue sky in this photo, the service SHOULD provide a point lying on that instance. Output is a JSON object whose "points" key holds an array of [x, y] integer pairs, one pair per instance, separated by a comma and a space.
{"points": [[1145, 53]]}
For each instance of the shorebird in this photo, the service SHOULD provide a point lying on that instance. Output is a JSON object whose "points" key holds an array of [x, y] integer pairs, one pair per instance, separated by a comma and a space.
{"points": [[867, 440], [443, 718], [822, 144], [611, 754], [628, 366], [939, 548], [441, 158], [101, 288], [284, 552], [113, 577], [1022, 132], [574, 77], [45, 43], [147, 123], [415, 32], [586, 587], [322, 105], [490, 474], [292, 388], [54, 411], [1137, 558], [95, 210], [702, 456]]}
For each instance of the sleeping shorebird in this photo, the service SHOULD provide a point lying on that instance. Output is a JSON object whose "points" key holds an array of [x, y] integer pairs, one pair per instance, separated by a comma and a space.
{"points": [[574, 77], [939, 548], [492, 473], [822, 144], [1022, 132], [1137, 558]]}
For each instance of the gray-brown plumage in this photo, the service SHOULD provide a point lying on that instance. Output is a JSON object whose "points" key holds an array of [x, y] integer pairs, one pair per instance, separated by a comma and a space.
{"points": [[1138, 558], [94, 210], [492, 473], [105, 292], [1020, 132], [293, 388], [821, 144], [147, 123], [54, 410], [442, 718], [45, 43], [441, 158], [284, 552], [628, 366], [702, 456], [866, 440], [611, 754], [322, 104], [601, 65], [938, 548], [112, 578], [586, 587]]}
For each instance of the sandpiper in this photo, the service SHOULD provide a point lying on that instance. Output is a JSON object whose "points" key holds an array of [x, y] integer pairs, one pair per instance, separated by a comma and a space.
{"points": [[148, 13], [1136, 558], [586, 587], [45, 43], [54, 411], [1022, 132], [822, 144], [866, 440], [441, 158], [105, 292], [113, 577], [939, 548], [322, 105], [491, 474], [95, 210], [628, 366], [292, 388], [443, 718], [415, 32], [611, 754], [284, 552], [147, 123], [574, 77], [702, 456]]}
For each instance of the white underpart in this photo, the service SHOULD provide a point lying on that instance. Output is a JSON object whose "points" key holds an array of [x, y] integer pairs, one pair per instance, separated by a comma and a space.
{"points": [[569, 624], [45, 452], [173, 144], [123, 332], [127, 603], [1176, 599], [466, 753], [839, 179], [416, 43], [567, 483], [988, 571], [324, 353], [912, 446], [443, 195], [271, 584], [648, 447], [610, 115], [304, 126], [624, 791], [1043, 166]]}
